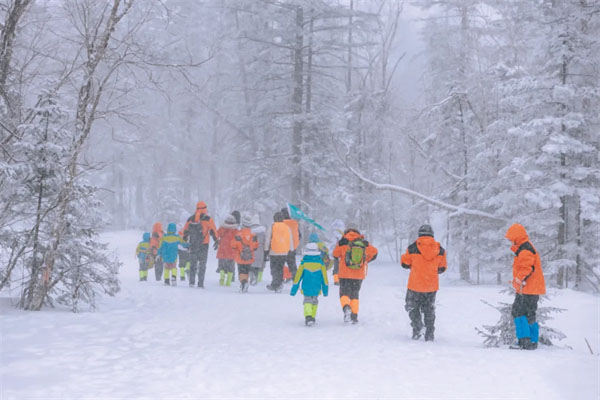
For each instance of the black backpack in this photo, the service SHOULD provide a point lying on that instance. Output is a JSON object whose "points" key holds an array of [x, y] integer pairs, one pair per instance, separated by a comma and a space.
{"points": [[195, 233]]}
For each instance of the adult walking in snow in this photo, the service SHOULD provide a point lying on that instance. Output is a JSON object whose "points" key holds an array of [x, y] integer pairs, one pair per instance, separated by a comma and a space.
{"points": [[353, 253], [296, 236], [426, 259], [197, 231], [528, 282], [278, 245]]}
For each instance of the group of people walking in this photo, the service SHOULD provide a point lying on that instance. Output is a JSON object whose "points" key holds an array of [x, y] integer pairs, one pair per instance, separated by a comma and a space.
{"points": [[242, 241]]}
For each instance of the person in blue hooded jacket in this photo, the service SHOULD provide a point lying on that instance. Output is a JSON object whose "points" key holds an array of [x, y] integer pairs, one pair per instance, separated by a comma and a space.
{"points": [[141, 252], [168, 251], [313, 276]]}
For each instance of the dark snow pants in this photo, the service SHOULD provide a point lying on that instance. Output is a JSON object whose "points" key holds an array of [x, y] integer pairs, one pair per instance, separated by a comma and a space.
{"points": [[158, 268], [350, 288], [525, 305], [417, 303], [198, 260], [277, 263]]}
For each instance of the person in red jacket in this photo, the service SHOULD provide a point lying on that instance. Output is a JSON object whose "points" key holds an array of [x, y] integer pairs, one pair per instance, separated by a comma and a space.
{"points": [[528, 282], [244, 243], [426, 259], [226, 254], [353, 253]]}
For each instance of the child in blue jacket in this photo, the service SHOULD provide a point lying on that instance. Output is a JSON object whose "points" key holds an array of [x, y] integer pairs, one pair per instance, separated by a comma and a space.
{"points": [[313, 275], [141, 252], [168, 251]]}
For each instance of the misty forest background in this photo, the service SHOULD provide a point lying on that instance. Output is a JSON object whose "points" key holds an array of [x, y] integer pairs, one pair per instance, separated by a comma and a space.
{"points": [[116, 114]]}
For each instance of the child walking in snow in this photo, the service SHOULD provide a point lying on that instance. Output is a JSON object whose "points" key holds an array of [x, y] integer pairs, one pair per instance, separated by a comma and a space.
{"points": [[313, 275], [141, 252], [168, 251], [426, 259], [226, 253], [244, 243], [184, 258], [155, 259], [258, 266]]}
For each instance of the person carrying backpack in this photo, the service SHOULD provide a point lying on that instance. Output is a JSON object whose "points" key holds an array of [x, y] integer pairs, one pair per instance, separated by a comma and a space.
{"points": [[353, 253], [244, 243], [258, 266], [278, 245], [168, 251], [426, 259], [528, 282], [142, 252], [155, 260], [226, 254], [313, 275], [197, 232]]}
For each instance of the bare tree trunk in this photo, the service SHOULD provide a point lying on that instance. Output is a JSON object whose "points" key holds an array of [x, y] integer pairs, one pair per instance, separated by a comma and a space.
{"points": [[7, 38], [297, 106]]}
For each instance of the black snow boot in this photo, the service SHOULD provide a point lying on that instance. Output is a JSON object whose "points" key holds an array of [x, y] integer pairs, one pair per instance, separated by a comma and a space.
{"points": [[429, 335], [354, 318], [526, 344], [416, 335], [168, 282]]}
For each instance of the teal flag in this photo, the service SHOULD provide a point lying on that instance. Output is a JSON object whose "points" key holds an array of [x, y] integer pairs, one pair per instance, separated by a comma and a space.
{"points": [[298, 214]]}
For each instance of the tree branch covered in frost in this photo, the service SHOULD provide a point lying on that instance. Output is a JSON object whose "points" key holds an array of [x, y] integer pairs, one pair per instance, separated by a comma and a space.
{"points": [[446, 206]]}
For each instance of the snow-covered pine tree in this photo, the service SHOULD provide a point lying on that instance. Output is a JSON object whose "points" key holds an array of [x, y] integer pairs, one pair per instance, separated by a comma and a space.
{"points": [[81, 266], [503, 332]]}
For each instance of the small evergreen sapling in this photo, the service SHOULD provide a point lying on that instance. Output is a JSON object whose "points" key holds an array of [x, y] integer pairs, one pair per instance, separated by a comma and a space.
{"points": [[503, 332]]}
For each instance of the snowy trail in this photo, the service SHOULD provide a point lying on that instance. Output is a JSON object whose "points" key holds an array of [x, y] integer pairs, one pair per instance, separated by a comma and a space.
{"points": [[152, 341]]}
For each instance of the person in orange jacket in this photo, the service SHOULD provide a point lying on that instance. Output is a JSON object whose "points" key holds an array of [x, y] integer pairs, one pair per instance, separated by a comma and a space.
{"points": [[353, 253], [197, 232], [278, 245], [528, 282], [244, 244], [426, 259], [296, 236]]}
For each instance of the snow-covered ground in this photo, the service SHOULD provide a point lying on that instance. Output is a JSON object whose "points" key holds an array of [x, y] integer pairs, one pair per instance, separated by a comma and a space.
{"points": [[155, 342]]}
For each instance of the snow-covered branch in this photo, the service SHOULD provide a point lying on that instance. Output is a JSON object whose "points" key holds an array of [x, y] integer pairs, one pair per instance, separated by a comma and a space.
{"points": [[446, 206]]}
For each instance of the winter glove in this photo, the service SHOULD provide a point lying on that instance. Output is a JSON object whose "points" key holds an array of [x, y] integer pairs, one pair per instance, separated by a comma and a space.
{"points": [[441, 270], [325, 290], [294, 289], [216, 245], [406, 266]]}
